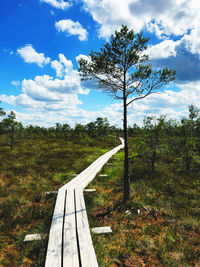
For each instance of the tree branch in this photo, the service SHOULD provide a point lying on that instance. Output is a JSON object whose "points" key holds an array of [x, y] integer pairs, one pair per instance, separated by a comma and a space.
{"points": [[141, 97]]}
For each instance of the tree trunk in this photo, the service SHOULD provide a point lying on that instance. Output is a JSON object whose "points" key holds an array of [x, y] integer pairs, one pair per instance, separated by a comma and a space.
{"points": [[126, 160]]}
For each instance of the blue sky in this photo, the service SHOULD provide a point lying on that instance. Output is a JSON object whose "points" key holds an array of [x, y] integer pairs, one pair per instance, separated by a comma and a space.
{"points": [[41, 41]]}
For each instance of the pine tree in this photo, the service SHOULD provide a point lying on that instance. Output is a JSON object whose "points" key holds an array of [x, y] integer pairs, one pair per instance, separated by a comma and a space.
{"points": [[122, 69]]}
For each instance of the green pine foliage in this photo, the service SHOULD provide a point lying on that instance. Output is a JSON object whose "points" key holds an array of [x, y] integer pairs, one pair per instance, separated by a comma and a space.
{"points": [[122, 69]]}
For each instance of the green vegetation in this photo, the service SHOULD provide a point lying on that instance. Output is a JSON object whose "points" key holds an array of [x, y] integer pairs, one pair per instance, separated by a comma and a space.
{"points": [[36, 165], [160, 225]]}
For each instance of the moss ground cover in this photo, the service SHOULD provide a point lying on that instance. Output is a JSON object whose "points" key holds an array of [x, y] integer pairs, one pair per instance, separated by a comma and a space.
{"points": [[159, 226], [34, 167]]}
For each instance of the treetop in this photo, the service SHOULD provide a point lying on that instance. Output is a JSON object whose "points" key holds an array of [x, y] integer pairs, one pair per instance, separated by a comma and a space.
{"points": [[121, 66]]}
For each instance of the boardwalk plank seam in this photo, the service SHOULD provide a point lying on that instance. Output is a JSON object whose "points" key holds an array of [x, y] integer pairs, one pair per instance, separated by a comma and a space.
{"points": [[63, 229], [70, 243]]}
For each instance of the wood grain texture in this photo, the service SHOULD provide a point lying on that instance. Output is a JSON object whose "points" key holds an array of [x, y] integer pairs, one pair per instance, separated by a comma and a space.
{"points": [[70, 243]]}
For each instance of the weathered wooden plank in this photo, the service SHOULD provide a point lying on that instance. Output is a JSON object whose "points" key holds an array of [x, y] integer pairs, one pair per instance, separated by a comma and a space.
{"points": [[88, 256], [89, 190], [69, 210], [54, 250], [81, 213], [102, 230], [70, 246], [70, 252], [34, 237], [70, 228]]}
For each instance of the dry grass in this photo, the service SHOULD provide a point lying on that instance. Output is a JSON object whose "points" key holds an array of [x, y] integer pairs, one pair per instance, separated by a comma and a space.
{"points": [[34, 167], [159, 226]]}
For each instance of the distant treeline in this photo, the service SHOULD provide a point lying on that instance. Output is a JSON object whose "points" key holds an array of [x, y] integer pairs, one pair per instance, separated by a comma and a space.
{"points": [[158, 135], [97, 129], [101, 127]]}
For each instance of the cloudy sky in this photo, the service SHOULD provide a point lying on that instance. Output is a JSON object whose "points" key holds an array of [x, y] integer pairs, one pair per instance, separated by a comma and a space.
{"points": [[41, 41]]}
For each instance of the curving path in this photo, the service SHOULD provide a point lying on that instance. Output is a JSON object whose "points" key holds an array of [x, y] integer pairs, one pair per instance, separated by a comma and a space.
{"points": [[70, 243]]}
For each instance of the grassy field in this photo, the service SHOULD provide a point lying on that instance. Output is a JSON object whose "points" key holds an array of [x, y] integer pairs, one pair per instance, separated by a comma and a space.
{"points": [[34, 167], [160, 226]]}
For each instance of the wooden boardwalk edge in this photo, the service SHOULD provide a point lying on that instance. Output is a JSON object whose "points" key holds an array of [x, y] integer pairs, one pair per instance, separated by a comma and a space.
{"points": [[70, 243]]}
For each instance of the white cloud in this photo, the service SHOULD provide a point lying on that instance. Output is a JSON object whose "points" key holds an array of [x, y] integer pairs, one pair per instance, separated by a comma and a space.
{"points": [[165, 18], [58, 67], [174, 104], [8, 99], [170, 103], [29, 55], [27, 102], [67, 63], [47, 93], [192, 39], [45, 88], [72, 28], [50, 117], [15, 83], [47, 112], [39, 102], [63, 66], [37, 90], [67, 102], [59, 4], [163, 49], [22, 100], [175, 22], [56, 99], [167, 48]]}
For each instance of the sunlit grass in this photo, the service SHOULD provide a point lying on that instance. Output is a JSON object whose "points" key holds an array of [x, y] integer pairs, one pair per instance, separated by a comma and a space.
{"points": [[34, 167], [159, 226]]}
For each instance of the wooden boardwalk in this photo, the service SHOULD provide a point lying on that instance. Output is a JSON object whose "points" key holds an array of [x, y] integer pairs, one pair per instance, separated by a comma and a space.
{"points": [[70, 243]]}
